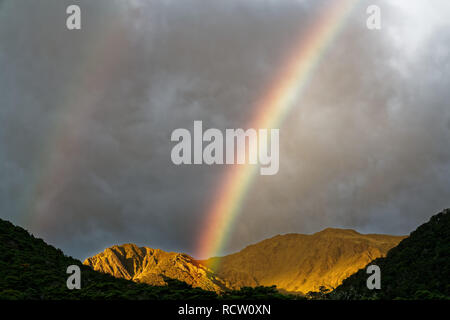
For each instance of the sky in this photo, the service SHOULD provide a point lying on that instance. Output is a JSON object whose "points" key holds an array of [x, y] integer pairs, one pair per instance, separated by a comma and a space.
{"points": [[86, 118]]}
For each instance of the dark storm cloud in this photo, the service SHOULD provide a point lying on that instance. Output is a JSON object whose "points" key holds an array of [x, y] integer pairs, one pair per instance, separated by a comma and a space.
{"points": [[366, 148]]}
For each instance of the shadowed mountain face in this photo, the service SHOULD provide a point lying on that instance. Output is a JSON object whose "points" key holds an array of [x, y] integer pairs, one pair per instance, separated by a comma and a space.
{"points": [[418, 268], [292, 262], [152, 266]]}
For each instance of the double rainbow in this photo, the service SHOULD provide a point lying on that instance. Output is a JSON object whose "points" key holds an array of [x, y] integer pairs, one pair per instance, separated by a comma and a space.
{"points": [[275, 105]]}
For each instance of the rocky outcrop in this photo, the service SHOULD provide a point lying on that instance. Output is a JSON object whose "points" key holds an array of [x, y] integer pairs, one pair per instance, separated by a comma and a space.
{"points": [[153, 266]]}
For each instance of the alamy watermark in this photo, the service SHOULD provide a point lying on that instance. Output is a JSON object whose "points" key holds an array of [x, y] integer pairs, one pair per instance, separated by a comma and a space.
{"points": [[74, 280], [73, 21], [373, 21], [235, 146], [374, 281]]}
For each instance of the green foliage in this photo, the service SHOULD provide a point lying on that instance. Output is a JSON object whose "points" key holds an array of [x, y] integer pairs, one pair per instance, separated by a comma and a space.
{"points": [[418, 268], [322, 294], [32, 270], [257, 293]]}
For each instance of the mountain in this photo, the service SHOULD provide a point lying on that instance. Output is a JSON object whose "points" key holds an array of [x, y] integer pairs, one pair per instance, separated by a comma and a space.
{"points": [[30, 269], [299, 263], [295, 263], [418, 268], [153, 266]]}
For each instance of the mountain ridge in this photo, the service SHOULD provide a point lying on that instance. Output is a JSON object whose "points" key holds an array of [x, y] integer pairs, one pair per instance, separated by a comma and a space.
{"points": [[346, 251], [152, 266], [299, 263]]}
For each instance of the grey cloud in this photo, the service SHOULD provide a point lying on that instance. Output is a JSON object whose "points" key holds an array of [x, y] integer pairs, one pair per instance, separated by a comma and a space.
{"points": [[366, 147]]}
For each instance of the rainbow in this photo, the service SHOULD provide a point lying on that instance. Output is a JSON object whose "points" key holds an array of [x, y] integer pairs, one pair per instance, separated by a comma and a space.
{"points": [[272, 109]]}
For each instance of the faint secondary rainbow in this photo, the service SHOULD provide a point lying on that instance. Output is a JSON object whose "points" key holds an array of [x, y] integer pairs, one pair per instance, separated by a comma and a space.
{"points": [[55, 167], [283, 92]]}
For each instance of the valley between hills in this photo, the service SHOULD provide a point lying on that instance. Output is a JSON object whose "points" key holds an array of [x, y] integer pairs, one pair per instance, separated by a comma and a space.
{"points": [[330, 264], [294, 263]]}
